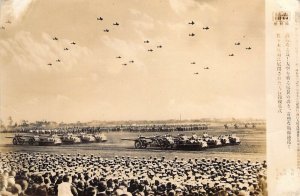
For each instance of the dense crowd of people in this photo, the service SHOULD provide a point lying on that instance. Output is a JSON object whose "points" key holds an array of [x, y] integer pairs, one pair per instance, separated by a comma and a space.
{"points": [[84, 175], [131, 128]]}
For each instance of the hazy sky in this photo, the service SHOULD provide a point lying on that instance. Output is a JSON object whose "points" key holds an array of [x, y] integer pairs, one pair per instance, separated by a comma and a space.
{"points": [[90, 83]]}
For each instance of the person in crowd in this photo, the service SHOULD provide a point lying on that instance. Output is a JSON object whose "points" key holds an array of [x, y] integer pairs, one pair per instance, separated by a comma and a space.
{"points": [[44, 174]]}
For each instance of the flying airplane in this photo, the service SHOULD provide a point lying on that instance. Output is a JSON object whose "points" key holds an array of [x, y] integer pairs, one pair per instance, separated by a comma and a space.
{"points": [[191, 23], [58, 60], [249, 48], [55, 38], [150, 50], [50, 64], [160, 46], [192, 34], [196, 73], [124, 64], [3, 27], [9, 22], [66, 48], [231, 55], [73, 43], [206, 67], [147, 41], [116, 24], [118, 57], [205, 28], [100, 18], [193, 63], [237, 43], [131, 61], [106, 30]]}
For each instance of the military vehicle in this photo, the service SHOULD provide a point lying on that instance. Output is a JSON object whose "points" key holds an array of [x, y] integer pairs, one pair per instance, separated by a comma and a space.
{"points": [[70, 139], [41, 140], [87, 138], [183, 142], [100, 137], [234, 140], [162, 142]]}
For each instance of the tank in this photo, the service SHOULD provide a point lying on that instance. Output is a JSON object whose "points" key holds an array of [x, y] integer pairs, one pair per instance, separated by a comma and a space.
{"points": [[70, 139], [100, 137], [87, 138]]}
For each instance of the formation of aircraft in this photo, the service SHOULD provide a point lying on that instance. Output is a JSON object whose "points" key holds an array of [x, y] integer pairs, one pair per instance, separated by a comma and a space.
{"points": [[145, 41]]}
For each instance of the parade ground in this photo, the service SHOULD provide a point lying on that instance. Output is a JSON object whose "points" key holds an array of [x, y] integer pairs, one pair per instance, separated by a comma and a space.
{"points": [[252, 147]]}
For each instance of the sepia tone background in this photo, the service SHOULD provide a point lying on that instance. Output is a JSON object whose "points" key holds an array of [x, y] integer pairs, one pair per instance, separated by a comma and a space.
{"points": [[90, 83]]}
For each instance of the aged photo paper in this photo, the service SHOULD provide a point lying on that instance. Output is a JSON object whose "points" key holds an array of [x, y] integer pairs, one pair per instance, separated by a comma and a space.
{"points": [[160, 97]]}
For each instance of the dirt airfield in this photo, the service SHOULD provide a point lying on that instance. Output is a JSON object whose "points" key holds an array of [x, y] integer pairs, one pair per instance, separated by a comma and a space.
{"points": [[252, 147]]}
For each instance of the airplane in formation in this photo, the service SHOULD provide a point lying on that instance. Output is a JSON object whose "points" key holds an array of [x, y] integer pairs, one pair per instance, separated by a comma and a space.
{"points": [[191, 23], [50, 64], [196, 73], [66, 48], [73, 43], [8, 22], [193, 63], [147, 41], [116, 24], [206, 67], [106, 30], [237, 43], [124, 64], [118, 57], [99, 18], [131, 61], [231, 55], [192, 34], [205, 28], [150, 50], [58, 60], [3, 27], [55, 38], [249, 48], [160, 46]]}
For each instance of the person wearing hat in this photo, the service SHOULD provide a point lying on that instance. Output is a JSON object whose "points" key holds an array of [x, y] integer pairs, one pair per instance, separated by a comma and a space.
{"points": [[64, 188]]}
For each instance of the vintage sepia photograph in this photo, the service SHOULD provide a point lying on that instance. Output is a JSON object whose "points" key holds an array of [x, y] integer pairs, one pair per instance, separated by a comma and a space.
{"points": [[129, 97]]}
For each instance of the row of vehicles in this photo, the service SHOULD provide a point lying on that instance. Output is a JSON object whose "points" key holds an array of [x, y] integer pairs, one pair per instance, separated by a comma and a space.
{"points": [[55, 139], [184, 142]]}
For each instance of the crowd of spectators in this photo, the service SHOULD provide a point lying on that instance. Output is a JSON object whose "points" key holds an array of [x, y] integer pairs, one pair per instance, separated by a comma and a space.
{"points": [[41, 174]]}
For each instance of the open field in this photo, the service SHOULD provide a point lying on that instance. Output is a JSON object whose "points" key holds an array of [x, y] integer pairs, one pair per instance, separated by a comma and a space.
{"points": [[252, 147]]}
